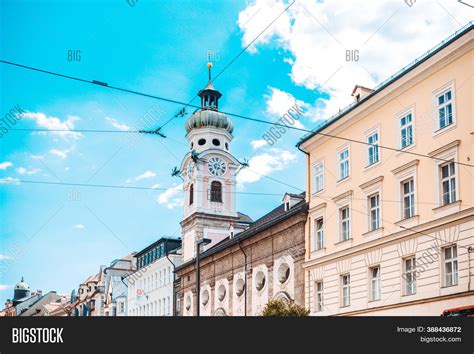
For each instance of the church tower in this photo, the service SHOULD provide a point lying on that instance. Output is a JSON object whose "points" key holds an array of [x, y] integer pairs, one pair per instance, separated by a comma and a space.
{"points": [[209, 171]]}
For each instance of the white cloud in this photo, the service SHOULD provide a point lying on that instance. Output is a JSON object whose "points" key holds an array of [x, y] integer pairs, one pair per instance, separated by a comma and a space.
{"points": [[79, 227], [265, 164], [4, 257], [5, 165], [4, 287], [172, 197], [279, 102], [37, 157], [257, 144], [29, 172], [9, 180], [115, 123], [314, 36], [60, 153], [54, 123], [144, 175]]}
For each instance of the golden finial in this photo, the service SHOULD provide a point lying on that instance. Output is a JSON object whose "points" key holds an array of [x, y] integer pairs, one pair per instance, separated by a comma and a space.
{"points": [[209, 67]]}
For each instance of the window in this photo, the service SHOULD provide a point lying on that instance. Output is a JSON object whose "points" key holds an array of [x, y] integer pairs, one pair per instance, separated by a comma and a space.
{"points": [[169, 305], [319, 177], [319, 296], [373, 148], [216, 192], [450, 265], [445, 109], [375, 283], [409, 275], [191, 194], [408, 195], [344, 164], [448, 182], [216, 142], [259, 281], [345, 223], [374, 207], [406, 131], [346, 290], [319, 239], [283, 273], [201, 142]]}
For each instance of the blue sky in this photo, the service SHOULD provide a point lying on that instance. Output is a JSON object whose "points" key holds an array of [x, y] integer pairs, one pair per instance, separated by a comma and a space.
{"points": [[57, 236]]}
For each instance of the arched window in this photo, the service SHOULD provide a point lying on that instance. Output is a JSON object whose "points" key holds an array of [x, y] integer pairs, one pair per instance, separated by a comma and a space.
{"points": [[216, 192], [191, 194]]}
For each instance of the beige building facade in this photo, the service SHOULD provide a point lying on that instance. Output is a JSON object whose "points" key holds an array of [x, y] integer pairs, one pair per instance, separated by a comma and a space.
{"points": [[390, 225]]}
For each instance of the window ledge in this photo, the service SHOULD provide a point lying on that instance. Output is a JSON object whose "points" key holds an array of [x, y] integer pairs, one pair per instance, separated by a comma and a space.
{"points": [[343, 179], [343, 241], [407, 220], [368, 167], [405, 149], [318, 252], [448, 206], [449, 286], [447, 128], [373, 232]]}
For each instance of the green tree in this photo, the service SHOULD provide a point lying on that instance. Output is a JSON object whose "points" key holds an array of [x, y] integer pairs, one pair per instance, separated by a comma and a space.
{"points": [[282, 308]]}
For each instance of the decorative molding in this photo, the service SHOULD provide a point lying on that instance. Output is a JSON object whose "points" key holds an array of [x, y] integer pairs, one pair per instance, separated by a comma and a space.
{"points": [[406, 166], [407, 247], [318, 207], [344, 266], [376, 180], [348, 194], [316, 273], [373, 257], [448, 235], [445, 148]]}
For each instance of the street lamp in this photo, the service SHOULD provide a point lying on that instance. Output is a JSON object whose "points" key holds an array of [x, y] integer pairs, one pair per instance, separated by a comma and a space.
{"points": [[203, 241]]}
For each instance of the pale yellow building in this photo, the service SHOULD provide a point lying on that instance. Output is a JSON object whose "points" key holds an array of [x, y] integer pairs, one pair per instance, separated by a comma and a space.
{"points": [[389, 231]]}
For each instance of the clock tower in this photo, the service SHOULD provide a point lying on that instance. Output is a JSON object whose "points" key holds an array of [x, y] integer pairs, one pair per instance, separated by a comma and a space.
{"points": [[209, 171]]}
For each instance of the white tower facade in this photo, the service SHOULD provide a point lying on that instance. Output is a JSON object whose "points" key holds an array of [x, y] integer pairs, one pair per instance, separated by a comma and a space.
{"points": [[209, 171]]}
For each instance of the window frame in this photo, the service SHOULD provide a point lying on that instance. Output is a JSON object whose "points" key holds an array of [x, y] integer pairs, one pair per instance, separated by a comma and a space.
{"points": [[342, 221], [318, 175], [411, 195], [450, 86], [319, 234], [452, 182], [375, 283], [405, 127], [373, 146], [345, 160], [454, 266], [377, 210], [213, 193], [412, 271], [318, 296], [344, 287]]}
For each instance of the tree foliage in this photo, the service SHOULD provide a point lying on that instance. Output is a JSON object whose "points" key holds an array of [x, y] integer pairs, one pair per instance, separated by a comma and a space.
{"points": [[282, 308]]}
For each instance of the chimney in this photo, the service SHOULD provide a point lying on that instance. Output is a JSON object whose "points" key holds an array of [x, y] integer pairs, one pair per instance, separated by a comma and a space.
{"points": [[359, 92]]}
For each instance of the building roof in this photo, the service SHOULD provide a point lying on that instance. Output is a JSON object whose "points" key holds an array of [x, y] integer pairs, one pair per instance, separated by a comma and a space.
{"points": [[383, 85], [154, 244], [266, 221]]}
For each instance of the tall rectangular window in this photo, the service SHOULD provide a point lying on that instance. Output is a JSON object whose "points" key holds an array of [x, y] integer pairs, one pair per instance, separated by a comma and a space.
{"points": [[318, 177], [375, 283], [345, 290], [445, 109], [408, 195], [373, 148], [344, 163], [448, 182], [374, 206], [409, 265], [406, 131], [319, 296], [345, 223], [319, 236], [450, 259]]}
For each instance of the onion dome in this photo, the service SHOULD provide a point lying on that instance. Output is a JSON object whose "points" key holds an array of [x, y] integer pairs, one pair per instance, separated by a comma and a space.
{"points": [[22, 285]]}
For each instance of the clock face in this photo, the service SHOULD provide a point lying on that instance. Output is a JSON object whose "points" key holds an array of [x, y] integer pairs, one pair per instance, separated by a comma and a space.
{"points": [[216, 166]]}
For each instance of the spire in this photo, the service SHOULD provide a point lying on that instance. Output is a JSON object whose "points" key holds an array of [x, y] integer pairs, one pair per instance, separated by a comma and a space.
{"points": [[209, 95]]}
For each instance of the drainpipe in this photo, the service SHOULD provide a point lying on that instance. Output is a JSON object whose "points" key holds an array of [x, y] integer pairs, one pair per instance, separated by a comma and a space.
{"points": [[308, 193], [469, 251], [245, 277], [174, 280]]}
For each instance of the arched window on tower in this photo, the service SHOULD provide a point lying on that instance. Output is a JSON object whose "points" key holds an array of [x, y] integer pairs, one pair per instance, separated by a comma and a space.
{"points": [[216, 192], [191, 194]]}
